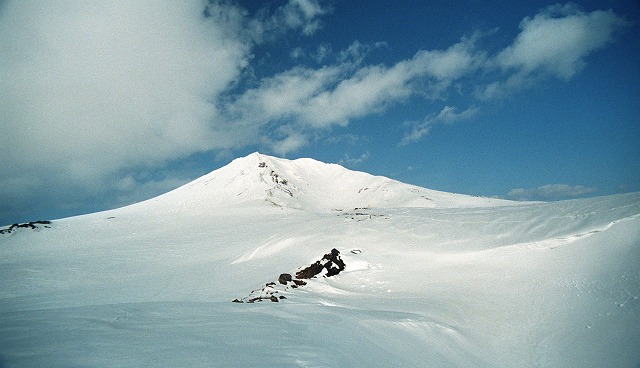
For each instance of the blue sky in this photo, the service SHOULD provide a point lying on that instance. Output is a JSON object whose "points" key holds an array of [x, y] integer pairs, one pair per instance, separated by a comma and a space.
{"points": [[106, 104]]}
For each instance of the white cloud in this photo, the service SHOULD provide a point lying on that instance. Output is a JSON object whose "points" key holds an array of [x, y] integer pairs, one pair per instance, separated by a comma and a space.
{"points": [[550, 192], [292, 142], [338, 93], [450, 64], [554, 42], [323, 51], [352, 161], [91, 89], [129, 189], [558, 39], [447, 115], [296, 14], [358, 51]]}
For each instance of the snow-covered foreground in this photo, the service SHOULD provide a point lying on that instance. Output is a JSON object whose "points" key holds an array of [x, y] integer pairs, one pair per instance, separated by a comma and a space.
{"points": [[439, 279]]}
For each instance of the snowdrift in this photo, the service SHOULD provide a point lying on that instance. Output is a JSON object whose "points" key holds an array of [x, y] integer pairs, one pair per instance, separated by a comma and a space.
{"points": [[431, 279]]}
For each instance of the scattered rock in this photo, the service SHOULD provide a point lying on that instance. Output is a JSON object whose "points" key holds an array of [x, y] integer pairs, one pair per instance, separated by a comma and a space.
{"points": [[310, 271], [331, 262], [284, 278], [356, 251], [333, 258]]}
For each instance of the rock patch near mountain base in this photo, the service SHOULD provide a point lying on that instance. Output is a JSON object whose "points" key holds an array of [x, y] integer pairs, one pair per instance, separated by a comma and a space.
{"points": [[27, 225]]}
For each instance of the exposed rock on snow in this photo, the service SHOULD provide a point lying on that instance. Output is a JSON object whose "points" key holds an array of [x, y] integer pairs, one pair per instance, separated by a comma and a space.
{"points": [[284, 278], [330, 262], [28, 225]]}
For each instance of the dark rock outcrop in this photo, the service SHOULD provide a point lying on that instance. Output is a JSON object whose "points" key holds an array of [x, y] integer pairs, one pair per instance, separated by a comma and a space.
{"points": [[310, 271], [284, 278], [330, 262]]}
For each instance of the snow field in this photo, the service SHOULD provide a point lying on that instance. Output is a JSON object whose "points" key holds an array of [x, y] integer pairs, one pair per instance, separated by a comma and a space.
{"points": [[520, 285]]}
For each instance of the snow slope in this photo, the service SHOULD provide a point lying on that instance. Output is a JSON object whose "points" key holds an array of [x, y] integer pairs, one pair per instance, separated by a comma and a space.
{"points": [[307, 184], [437, 280]]}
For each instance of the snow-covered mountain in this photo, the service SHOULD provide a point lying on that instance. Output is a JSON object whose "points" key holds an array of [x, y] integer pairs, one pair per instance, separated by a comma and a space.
{"points": [[427, 279], [310, 185]]}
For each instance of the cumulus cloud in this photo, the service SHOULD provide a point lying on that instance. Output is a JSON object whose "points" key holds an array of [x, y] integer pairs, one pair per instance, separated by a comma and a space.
{"points": [[91, 89], [555, 42], [550, 192]]}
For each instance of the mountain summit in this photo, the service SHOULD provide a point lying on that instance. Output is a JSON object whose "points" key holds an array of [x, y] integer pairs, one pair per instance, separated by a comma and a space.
{"points": [[304, 183]]}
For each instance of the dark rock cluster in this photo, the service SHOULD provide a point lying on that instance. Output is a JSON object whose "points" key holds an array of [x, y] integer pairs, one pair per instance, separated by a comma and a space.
{"points": [[331, 262], [27, 225]]}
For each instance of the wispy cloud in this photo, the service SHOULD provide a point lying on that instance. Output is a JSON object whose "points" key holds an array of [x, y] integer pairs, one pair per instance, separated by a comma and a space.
{"points": [[550, 192], [302, 15], [448, 115], [336, 94], [358, 51], [352, 161]]}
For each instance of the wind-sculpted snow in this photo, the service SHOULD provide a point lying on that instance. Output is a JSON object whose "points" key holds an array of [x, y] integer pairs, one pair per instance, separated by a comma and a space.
{"points": [[451, 283]]}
